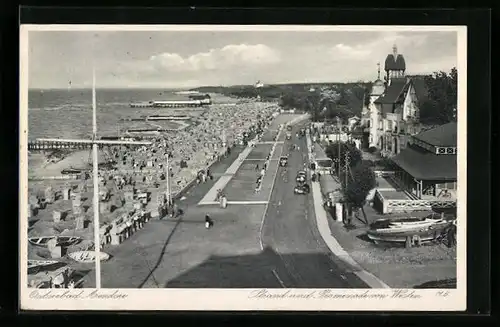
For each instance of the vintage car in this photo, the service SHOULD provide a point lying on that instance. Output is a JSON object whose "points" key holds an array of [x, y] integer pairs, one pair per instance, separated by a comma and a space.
{"points": [[301, 189], [283, 161]]}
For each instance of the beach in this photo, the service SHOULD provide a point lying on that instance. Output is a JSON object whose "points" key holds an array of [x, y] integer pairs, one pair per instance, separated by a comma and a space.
{"points": [[135, 188]]}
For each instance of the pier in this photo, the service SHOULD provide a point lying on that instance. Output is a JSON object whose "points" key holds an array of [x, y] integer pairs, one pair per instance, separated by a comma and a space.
{"points": [[53, 144], [171, 104]]}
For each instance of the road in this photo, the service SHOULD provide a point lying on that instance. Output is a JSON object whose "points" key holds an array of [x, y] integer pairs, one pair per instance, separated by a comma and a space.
{"points": [[290, 230]]}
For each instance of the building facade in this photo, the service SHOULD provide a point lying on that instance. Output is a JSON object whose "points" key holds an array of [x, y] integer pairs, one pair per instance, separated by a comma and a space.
{"points": [[427, 168], [392, 113]]}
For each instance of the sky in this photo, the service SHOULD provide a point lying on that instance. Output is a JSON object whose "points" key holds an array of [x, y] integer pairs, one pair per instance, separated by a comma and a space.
{"points": [[182, 59]]}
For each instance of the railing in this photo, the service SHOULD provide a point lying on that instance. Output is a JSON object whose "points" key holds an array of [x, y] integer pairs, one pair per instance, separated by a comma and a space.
{"points": [[384, 173]]}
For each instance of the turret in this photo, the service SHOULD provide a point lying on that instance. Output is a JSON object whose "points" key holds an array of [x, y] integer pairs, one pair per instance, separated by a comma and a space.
{"points": [[395, 65]]}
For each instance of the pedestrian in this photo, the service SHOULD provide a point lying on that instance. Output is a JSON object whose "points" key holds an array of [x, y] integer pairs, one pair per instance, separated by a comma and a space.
{"points": [[256, 167], [208, 222]]}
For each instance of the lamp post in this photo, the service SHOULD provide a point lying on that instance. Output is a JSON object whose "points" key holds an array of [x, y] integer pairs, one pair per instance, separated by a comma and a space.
{"points": [[338, 143]]}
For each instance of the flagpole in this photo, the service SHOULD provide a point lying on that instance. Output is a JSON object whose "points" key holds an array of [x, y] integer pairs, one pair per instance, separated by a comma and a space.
{"points": [[168, 180], [97, 243]]}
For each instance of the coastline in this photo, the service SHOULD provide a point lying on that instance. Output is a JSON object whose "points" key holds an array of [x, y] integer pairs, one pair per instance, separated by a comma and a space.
{"points": [[43, 223]]}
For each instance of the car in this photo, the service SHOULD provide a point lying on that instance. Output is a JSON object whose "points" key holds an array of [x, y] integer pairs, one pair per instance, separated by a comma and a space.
{"points": [[301, 173], [283, 161], [301, 189], [300, 179]]}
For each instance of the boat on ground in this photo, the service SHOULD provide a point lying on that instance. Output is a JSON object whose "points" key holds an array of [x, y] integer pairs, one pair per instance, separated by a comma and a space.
{"points": [[38, 264], [71, 171], [42, 241], [398, 232], [88, 256], [404, 223]]}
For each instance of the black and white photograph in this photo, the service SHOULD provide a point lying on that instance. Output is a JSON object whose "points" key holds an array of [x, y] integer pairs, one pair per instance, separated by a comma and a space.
{"points": [[183, 167]]}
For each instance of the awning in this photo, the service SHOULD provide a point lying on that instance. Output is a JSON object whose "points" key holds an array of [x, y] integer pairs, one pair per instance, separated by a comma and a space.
{"points": [[425, 165]]}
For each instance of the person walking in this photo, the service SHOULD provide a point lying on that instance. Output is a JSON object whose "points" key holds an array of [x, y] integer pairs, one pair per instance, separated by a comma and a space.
{"points": [[208, 222]]}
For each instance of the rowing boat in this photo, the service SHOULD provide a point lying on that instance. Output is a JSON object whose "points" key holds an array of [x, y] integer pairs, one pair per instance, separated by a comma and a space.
{"points": [[398, 225], [88, 256], [61, 240], [399, 234]]}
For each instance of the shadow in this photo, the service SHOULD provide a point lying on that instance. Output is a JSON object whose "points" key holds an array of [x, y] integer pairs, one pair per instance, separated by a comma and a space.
{"points": [[160, 258], [364, 238], [64, 215], [32, 222], [86, 208], [268, 269], [446, 283]]}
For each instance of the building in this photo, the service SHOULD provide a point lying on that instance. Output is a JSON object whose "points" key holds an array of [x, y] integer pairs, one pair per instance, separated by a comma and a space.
{"points": [[427, 167], [392, 113]]}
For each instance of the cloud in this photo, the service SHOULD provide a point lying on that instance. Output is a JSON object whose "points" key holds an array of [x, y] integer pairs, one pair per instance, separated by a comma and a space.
{"points": [[233, 55], [342, 51]]}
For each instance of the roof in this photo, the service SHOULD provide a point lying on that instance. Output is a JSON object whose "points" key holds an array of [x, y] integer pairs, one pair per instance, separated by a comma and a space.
{"points": [[378, 87], [420, 88], [397, 63], [425, 165], [444, 135], [393, 91]]}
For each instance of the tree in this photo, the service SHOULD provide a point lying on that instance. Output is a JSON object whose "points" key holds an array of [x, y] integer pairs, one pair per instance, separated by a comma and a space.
{"points": [[360, 182], [332, 152], [366, 99], [441, 103]]}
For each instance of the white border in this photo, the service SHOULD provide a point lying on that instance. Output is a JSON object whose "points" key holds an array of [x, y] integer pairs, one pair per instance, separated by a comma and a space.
{"points": [[244, 299]]}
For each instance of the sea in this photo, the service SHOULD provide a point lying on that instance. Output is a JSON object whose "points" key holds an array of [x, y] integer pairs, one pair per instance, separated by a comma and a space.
{"points": [[68, 113]]}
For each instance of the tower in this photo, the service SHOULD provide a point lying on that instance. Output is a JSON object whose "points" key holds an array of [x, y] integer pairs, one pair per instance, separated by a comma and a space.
{"points": [[395, 65]]}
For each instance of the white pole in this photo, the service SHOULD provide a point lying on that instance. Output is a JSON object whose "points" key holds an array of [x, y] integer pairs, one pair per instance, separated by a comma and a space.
{"points": [[97, 243]]}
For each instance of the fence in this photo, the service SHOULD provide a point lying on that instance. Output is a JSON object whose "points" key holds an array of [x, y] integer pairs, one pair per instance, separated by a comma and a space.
{"points": [[393, 205], [384, 173]]}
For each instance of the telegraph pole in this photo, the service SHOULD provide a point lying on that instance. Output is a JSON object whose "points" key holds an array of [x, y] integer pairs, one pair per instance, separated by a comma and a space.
{"points": [[338, 143], [346, 168]]}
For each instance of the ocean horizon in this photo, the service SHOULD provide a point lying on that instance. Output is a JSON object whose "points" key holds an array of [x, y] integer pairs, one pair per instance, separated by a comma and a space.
{"points": [[68, 113]]}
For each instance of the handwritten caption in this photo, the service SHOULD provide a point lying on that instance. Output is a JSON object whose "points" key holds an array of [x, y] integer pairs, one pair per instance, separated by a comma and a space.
{"points": [[339, 295], [78, 294]]}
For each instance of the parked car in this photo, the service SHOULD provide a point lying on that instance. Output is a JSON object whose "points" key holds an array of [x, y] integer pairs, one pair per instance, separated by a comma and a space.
{"points": [[301, 189], [300, 179]]}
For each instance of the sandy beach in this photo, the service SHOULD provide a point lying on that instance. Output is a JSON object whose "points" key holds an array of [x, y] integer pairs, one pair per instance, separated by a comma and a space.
{"points": [[142, 170]]}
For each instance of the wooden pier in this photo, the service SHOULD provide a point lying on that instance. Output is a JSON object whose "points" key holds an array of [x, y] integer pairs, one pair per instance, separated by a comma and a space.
{"points": [[54, 144]]}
